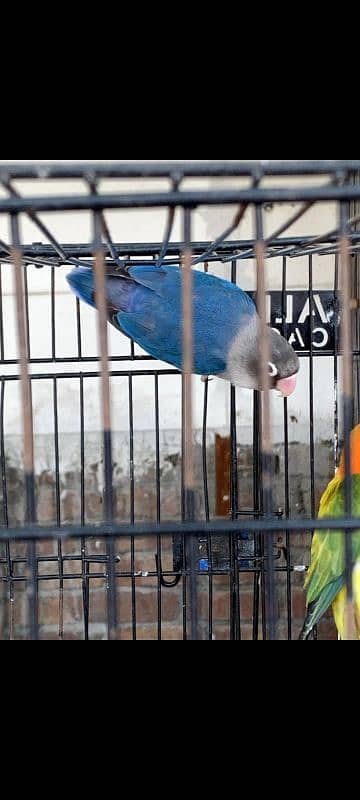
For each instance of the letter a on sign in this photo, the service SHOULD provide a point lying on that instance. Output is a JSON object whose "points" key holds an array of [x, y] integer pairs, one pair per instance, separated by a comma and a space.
{"points": [[306, 311]]}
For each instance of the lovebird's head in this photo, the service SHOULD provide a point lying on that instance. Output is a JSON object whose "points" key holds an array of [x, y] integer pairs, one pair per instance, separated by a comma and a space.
{"points": [[244, 359]]}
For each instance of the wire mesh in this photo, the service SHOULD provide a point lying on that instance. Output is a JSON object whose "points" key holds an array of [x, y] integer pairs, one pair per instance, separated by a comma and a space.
{"points": [[103, 549]]}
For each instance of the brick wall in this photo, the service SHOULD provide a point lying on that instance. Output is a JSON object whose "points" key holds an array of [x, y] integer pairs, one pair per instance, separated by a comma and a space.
{"points": [[139, 599]]}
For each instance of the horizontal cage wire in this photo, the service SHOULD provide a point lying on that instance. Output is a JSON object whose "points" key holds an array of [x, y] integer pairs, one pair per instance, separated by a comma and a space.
{"points": [[140, 502]]}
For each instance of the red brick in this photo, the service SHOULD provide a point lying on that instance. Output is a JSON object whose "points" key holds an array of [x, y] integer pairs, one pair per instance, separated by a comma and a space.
{"points": [[299, 604], [203, 604], [145, 504], [70, 507], [97, 585], [221, 633], [170, 505], [124, 605], [45, 507], [149, 583], [146, 606], [247, 633], [246, 605], [143, 563], [172, 633], [147, 633], [98, 606], [19, 609], [72, 584], [73, 607], [122, 507], [94, 507], [327, 629], [246, 581], [96, 547], [221, 606], [49, 637], [123, 545], [145, 544], [73, 567], [143, 633], [125, 633], [171, 605], [49, 607], [71, 547], [48, 568], [221, 583], [53, 636], [47, 548]]}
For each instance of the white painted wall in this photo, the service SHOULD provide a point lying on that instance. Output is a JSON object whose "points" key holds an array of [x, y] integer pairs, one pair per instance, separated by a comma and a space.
{"points": [[149, 226]]}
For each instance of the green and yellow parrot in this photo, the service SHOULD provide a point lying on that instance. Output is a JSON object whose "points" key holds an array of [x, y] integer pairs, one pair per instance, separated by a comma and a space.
{"points": [[326, 578]]}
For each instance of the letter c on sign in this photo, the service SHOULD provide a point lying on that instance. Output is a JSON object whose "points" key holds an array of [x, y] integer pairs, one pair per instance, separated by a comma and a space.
{"points": [[324, 338]]}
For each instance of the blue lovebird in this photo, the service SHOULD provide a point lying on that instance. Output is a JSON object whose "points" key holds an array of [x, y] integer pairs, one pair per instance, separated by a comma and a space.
{"points": [[145, 304]]}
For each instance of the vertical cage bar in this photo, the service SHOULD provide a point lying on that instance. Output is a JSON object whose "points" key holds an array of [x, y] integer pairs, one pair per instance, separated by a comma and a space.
{"points": [[84, 562], [207, 509], [259, 575], [234, 493], [27, 420], [27, 314], [2, 347], [187, 416], [311, 397], [58, 508], [3, 462], [286, 468], [233, 418], [336, 366], [311, 390], [158, 503], [78, 329], [53, 315], [204, 452], [106, 416], [132, 505], [348, 407], [260, 250], [10, 568], [234, 499], [355, 214]]}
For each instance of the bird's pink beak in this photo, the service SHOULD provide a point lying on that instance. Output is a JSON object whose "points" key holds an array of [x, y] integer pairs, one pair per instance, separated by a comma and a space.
{"points": [[286, 386]]}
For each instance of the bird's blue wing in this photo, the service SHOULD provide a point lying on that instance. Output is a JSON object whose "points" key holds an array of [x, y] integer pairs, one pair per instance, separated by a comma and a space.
{"points": [[155, 319], [162, 281], [148, 309], [164, 342], [213, 292]]}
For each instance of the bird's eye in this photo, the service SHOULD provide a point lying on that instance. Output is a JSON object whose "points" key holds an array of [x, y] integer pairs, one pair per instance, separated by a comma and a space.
{"points": [[273, 372]]}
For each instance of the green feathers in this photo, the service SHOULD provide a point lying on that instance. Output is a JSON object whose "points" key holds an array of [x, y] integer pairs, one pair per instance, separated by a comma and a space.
{"points": [[326, 576]]}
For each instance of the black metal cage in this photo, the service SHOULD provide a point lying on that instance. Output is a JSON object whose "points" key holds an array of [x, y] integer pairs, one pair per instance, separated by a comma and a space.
{"points": [[213, 540]]}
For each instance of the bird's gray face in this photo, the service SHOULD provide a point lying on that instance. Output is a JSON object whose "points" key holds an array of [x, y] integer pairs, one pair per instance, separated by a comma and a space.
{"points": [[244, 361]]}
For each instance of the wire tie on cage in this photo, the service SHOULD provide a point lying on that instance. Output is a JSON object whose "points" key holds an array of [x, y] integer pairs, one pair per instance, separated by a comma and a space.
{"points": [[177, 177], [340, 177], [164, 583]]}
